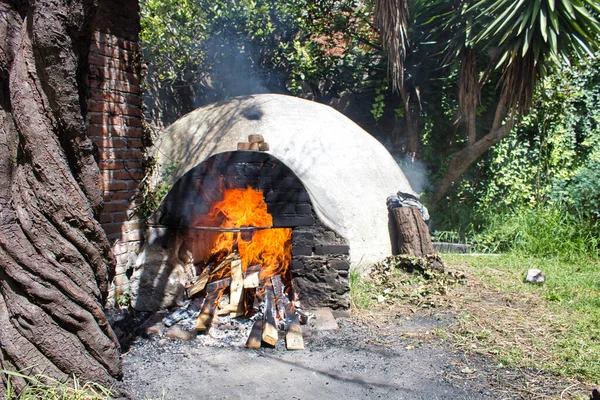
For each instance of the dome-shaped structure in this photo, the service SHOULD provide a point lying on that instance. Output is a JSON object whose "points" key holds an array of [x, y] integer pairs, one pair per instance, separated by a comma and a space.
{"points": [[347, 173]]}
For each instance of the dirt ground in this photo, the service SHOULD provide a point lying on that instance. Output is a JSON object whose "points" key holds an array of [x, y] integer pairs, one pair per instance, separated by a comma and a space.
{"points": [[391, 358]]}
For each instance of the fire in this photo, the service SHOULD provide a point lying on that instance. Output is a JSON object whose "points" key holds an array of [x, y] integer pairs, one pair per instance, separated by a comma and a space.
{"points": [[241, 208]]}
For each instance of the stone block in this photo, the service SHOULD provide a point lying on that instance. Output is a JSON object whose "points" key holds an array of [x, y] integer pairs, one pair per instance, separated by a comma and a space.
{"points": [[324, 320], [301, 251], [322, 249], [339, 265], [304, 208], [282, 208], [297, 266], [291, 221]]}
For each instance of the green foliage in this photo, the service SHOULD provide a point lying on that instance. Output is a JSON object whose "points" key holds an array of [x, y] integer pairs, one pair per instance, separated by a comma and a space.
{"points": [[542, 181], [199, 51]]}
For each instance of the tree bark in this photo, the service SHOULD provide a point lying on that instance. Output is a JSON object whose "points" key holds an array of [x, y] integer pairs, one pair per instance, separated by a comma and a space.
{"points": [[462, 160], [55, 260], [413, 234]]}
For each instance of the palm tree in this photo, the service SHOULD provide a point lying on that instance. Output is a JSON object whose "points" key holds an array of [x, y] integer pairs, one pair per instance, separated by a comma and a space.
{"points": [[518, 41]]}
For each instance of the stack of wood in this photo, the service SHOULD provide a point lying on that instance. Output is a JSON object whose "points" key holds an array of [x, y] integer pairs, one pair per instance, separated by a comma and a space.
{"points": [[254, 143], [247, 290]]}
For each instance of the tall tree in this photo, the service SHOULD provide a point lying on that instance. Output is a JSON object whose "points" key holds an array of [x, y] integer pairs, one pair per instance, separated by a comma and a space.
{"points": [[510, 43], [55, 259]]}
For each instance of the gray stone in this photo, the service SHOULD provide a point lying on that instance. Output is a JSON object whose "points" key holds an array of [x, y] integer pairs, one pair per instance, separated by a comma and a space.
{"points": [[535, 276], [158, 279], [332, 249], [339, 264], [177, 333], [324, 320]]}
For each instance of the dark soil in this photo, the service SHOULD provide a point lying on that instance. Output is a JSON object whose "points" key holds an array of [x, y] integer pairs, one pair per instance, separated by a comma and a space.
{"points": [[394, 358]]}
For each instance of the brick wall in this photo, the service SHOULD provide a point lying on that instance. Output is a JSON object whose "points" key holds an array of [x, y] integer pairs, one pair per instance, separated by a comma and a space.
{"points": [[115, 124]]}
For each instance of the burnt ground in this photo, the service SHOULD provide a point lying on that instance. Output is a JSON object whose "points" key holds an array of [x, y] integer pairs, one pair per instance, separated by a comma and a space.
{"points": [[372, 358]]}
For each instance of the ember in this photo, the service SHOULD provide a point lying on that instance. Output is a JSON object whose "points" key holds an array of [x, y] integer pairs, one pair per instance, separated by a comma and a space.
{"points": [[239, 256]]}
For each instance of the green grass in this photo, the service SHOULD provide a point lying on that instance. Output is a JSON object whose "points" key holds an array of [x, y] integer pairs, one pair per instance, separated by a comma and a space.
{"points": [[566, 309], [40, 387], [361, 291], [543, 232]]}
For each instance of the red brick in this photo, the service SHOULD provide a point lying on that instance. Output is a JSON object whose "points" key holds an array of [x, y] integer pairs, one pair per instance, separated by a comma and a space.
{"points": [[121, 195], [111, 164], [133, 164], [133, 185], [112, 143], [112, 84], [119, 216], [115, 185], [118, 120], [112, 206], [135, 174], [114, 74], [113, 228], [114, 108]]}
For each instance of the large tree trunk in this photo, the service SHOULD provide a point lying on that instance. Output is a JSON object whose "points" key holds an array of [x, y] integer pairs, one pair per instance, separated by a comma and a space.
{"points": [[55, 260]]}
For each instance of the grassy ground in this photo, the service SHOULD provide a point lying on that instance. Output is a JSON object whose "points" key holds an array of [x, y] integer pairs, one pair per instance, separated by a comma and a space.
{"points": [[41, 387], [554, 327]]}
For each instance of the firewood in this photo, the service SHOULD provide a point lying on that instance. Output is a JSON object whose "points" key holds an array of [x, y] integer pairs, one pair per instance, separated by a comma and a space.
{"points": [[252, 138], [199, 284], [281, 299], [202, 280], [293, 336], [210, 305], [270, 334], [254, 340], [236, 291], [252, 276]]}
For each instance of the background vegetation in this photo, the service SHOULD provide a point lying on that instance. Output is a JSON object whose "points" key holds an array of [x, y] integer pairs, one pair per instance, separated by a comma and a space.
{"points": [[537, 191]]}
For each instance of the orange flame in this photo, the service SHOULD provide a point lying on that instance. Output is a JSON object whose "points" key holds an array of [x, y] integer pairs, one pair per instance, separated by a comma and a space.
{"points": [[270, 248]]}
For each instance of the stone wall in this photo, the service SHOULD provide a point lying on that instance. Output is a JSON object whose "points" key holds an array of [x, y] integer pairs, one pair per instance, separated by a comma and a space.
{"points": [[115, 124]]}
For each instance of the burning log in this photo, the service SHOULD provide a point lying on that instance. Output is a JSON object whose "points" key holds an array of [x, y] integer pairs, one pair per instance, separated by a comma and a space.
{"points": [[293, 335], [255, 337], [236, 291], [202, 280], [270, 334], [210, 304]]}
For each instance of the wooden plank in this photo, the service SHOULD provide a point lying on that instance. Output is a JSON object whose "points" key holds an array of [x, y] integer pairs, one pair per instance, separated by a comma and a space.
{"points": [[270, 334], [252, 276], [255, 338], [209, 307], [293, 336], [281, 299], [236, 290], [252, 280], [200, 283]]}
